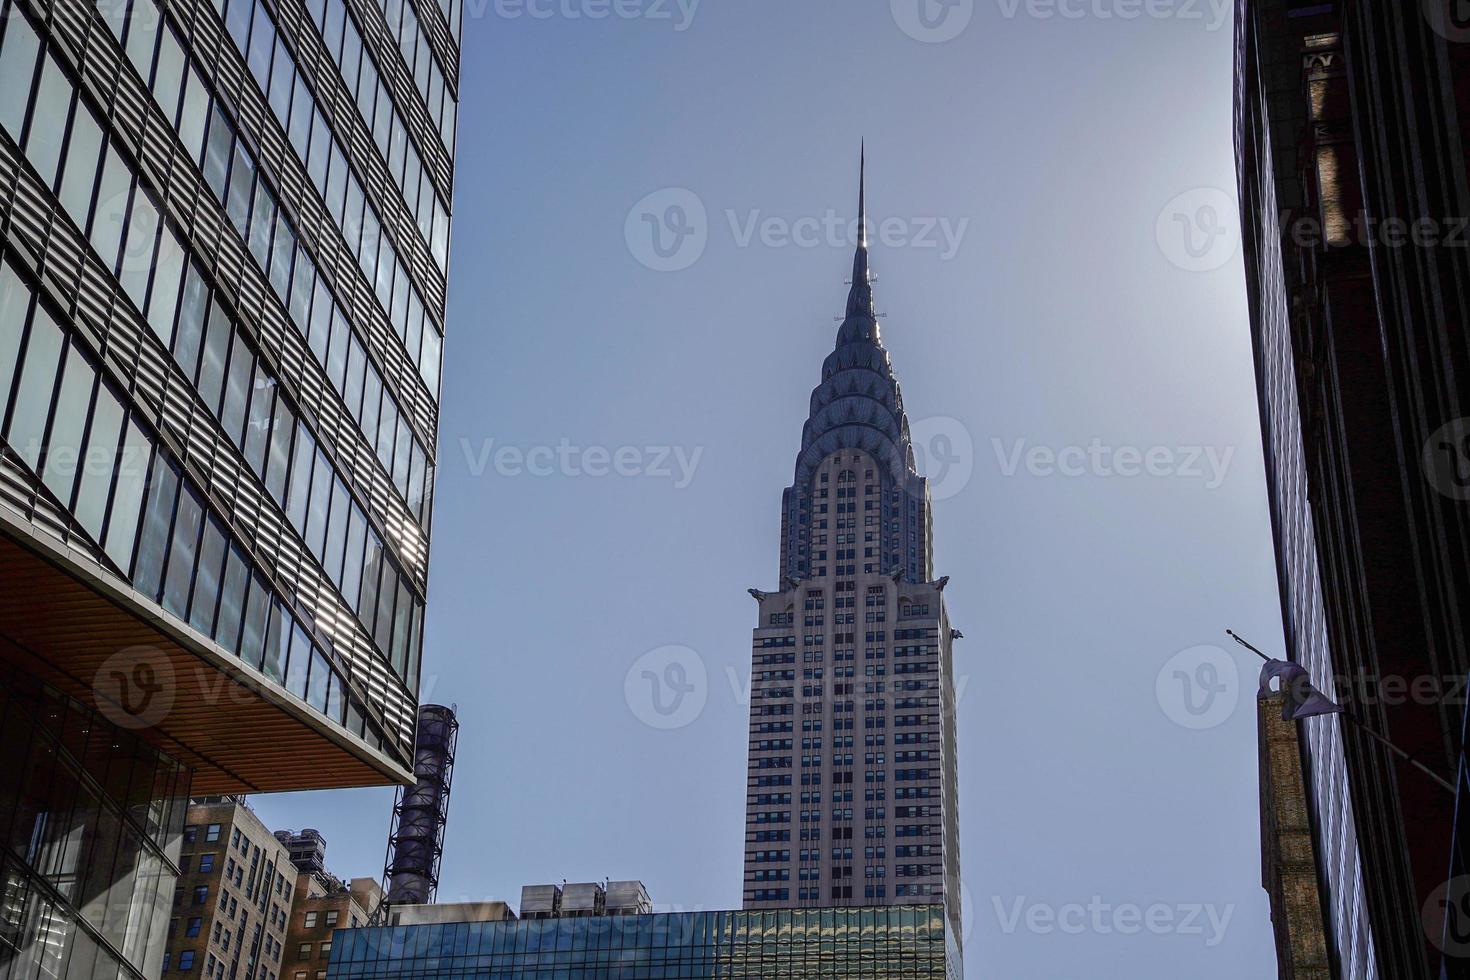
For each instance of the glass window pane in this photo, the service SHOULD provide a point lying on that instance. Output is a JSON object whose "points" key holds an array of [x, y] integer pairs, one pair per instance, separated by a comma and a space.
{"points": [[401, 451], [303, 274], [262, 225], [283, 73], [258, 422], [183, 552], [371, 566], [316, 688], [276, 638], [143, 36], [320, 153], [157, 519], [297, 667], [280, 451], [17, 69], [252, 634], [242, 181], [337, 532], [280, 257], [337, 352], [416, 482], [217, 151], [237, 19], [334, 698], [194, 115], [15, 300], [110, 215], [83, 157], [140, 247], [168, 80], [212, 366], [301, 478], [206, 584], [232, 600], [321, 319], [299, 128], [316, 517], [372, 397], [387, 595], [262, 38], [127, 499], [37, 383], [400, 627], [190, 329], [352, 566], [429, 360], [99, 462], [48, 121], [237, 390], [64, 446], [164, 301], [356, 366]]}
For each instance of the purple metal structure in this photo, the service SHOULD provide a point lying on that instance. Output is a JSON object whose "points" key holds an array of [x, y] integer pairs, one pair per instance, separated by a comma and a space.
{"points": [[416, 839]]}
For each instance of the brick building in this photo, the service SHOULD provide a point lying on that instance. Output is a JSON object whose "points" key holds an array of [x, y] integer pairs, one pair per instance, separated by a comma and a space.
{"points": [[233, 902], [323, 904]]}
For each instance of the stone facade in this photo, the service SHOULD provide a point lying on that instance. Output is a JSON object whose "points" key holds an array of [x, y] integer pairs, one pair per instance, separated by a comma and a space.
{"points": [[1288, 853]]}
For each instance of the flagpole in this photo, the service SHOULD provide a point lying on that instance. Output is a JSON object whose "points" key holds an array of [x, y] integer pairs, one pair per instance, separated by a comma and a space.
{"points": [[1358, 724]]}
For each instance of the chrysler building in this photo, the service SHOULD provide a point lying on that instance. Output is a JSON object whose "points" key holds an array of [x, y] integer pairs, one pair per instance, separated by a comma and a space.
{"points": [[852, 786]]}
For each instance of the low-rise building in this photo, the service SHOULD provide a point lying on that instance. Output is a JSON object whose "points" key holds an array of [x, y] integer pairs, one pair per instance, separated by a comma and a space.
{"points": [[323, 905], [896, 941]]}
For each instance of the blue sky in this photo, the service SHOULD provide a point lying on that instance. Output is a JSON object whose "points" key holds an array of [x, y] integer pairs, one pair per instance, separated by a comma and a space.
{"points": [[1067, 317]]}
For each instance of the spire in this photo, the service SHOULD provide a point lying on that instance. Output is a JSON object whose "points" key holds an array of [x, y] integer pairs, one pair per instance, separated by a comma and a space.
{"points": [[860, 297]]}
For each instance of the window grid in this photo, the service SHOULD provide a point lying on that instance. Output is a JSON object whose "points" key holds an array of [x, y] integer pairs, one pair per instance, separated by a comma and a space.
{"points": [[160, 534], [245, 289], [38, 229]]}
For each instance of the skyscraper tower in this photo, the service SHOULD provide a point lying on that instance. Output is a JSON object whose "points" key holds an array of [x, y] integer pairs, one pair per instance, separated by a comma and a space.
{"points": [[852, 790]]}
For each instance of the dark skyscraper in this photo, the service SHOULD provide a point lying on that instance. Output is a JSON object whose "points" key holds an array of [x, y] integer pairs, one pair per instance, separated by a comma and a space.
{"points": [[223, 249], [1351, 144], [852, 787]]}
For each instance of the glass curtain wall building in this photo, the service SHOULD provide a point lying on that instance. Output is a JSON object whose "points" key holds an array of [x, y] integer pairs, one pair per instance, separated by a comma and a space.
{"points": [[898, 941], [224, 241]]}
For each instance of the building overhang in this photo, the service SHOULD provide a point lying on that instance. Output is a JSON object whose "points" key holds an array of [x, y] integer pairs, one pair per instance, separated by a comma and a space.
{"points": [[66, 622]]}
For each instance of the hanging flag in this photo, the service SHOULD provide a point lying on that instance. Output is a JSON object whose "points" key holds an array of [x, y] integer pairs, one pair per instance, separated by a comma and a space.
{"points": [[1302, 699]]}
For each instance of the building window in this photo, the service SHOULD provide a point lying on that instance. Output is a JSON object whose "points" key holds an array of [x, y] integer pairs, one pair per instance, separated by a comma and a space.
{"points": [[192, 929], [310, 920], [206, 863], [211, 833], [331, 918], [186, 961], [200, 894], [191, 834], [326, 950], [303, 951]]}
